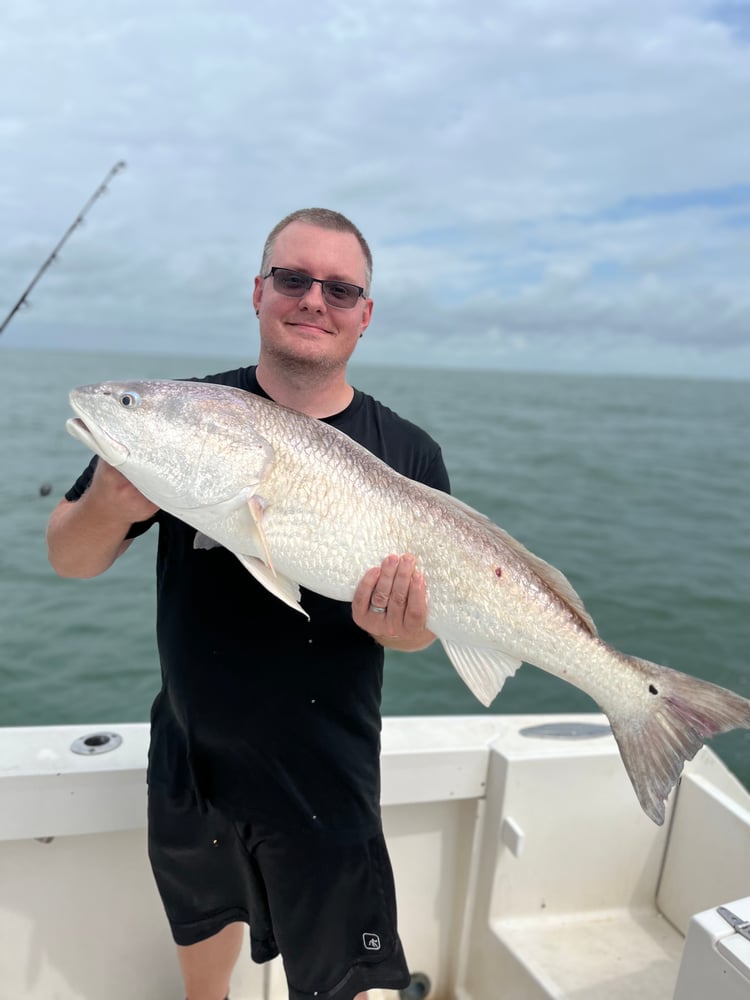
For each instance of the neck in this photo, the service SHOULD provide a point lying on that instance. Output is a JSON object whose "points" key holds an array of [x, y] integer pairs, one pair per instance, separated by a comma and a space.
{"points": [[303, 388]]}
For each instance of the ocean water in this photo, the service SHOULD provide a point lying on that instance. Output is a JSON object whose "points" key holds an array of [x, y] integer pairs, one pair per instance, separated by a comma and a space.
{"points": [[637, 489]]}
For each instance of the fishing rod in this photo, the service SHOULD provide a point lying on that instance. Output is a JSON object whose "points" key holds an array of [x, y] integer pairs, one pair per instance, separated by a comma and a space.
{"points": [[78, 221]]}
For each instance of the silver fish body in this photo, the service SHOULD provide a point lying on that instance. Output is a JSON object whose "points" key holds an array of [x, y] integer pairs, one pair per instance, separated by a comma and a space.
{"points": [[301, 504]]}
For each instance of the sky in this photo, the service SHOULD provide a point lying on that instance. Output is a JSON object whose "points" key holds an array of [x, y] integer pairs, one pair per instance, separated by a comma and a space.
{"points": [[546, 186]]}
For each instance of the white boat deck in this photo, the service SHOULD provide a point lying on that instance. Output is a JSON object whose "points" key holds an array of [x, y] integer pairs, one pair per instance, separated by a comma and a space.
{"points": [[524, 865], [633, 954]]}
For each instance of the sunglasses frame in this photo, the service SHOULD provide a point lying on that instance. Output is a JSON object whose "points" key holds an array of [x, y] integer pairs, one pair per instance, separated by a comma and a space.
{"points": [[323, 282]]}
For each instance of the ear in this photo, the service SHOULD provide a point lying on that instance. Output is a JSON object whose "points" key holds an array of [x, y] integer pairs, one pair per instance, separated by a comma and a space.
{"points": [[366, 316], [257, 293]]}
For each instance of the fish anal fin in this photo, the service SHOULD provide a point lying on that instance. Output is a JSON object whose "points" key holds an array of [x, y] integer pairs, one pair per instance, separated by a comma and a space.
{"points": [[680, 713], [484, 671], [280, 586]]}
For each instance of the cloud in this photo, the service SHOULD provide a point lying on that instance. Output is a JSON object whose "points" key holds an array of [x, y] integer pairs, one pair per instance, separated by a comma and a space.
{"points": [[534, 177]]}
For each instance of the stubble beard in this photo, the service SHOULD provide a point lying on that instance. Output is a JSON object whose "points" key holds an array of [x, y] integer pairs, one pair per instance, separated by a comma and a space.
{"points": [[298, 366]]}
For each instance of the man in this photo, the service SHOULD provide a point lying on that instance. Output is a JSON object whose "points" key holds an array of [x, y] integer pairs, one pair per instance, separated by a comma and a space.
{"points": [[264, 758]]}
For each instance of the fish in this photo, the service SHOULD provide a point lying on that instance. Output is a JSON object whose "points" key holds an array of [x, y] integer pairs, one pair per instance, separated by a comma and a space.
{"points": [[301, 504]]}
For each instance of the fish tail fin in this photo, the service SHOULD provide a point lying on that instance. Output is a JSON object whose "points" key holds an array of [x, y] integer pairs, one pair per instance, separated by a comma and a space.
{"points": [[678, 713]]}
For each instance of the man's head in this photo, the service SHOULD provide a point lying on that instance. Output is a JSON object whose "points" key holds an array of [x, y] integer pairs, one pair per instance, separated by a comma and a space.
{"points": [[323, 218], [311, 295]]}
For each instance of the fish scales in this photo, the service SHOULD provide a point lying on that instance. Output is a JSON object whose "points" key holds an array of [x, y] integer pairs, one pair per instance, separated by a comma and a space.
{"points": [[357, 531]]}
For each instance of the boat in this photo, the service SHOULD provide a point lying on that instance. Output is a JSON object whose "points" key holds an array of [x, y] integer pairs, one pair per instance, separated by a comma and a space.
{"points": [[525, 868]]}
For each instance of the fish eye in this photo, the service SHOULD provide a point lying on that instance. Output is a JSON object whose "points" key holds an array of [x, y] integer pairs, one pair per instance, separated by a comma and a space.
{"points": [[130, 399]]}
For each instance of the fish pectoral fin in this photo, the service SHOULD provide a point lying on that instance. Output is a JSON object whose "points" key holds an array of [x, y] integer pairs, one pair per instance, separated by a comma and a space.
{"points": [[280, 586], [257, 505], [484, 671]]}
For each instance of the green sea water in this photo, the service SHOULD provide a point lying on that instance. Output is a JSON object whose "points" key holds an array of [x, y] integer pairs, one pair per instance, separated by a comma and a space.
{"points": [[637, 489]]}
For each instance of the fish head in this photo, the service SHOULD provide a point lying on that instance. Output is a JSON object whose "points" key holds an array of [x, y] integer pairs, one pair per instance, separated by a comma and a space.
{"points": [[182, 444], [97, 423]]}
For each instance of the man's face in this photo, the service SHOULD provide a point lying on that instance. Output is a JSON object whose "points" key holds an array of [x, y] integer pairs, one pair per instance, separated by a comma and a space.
{"points": [[308, 329]]}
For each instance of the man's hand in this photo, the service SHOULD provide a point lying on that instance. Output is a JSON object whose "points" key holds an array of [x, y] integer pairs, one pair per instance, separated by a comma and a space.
{"points": [[84, 537], [113, 488], [398, 588]]}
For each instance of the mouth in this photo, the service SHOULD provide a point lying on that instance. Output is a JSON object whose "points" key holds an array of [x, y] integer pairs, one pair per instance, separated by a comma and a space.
{"points": [[97, 440], [313, 328]]}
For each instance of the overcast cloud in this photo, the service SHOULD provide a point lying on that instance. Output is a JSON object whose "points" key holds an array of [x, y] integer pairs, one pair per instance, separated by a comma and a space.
{"points": [[545, 185]]}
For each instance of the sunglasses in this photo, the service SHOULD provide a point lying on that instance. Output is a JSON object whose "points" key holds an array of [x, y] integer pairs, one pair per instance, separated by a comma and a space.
{"points": [[340, 294]]}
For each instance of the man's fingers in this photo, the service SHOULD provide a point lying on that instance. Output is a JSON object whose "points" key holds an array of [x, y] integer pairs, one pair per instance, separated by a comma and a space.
{"points": [[415, 611], [363, 593], [381, 592], [390, 602], [401, 597], [400, 585]]}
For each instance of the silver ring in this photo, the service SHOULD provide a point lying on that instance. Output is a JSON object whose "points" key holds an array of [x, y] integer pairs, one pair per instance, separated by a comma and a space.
{"points": [[376, 610]]}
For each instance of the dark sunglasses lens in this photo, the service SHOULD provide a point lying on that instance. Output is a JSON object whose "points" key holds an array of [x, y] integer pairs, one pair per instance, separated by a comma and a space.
{"points": [[290, 282], [295, 284], [338, 293]]}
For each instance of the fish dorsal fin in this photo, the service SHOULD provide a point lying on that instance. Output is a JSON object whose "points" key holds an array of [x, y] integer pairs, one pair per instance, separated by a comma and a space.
{"points": [[554, 579], [550, 575], [280, 586], [484, 671]]}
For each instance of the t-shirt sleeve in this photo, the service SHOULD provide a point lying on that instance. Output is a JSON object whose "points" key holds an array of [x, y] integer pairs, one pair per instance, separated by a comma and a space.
{"points": [[83, 482], [436, 474]]}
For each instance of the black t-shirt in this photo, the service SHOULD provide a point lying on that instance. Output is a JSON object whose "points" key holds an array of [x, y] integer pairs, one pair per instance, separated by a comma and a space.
{"points": [[270, 717]]}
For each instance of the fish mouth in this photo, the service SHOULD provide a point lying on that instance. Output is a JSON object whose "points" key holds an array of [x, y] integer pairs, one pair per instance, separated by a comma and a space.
{"points": [[97, 440]]}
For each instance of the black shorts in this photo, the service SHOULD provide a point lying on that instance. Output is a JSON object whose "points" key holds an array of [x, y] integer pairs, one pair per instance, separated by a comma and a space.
{"points": [[328, 908]]}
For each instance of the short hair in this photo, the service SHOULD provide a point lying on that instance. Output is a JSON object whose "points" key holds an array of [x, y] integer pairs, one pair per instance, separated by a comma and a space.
{"points": [[325, 218]]}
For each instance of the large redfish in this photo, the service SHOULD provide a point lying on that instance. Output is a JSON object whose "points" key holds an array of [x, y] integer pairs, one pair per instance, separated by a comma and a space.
{"points": [[300, 503]]}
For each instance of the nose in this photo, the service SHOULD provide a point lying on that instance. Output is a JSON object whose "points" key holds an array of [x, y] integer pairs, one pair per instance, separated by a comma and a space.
{"points": [[313, 298]]}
